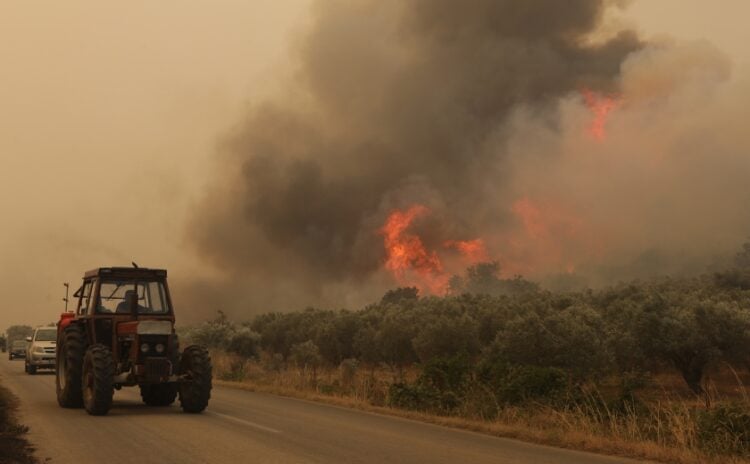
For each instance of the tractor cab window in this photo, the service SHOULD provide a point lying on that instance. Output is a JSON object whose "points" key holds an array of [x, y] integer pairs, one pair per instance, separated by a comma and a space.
{"points": [[84, 293], [119, 297]]}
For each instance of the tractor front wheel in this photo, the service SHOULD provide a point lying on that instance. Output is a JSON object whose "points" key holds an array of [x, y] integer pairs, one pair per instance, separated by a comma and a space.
{"points": [[159, 394], [196, 370], [69, 366], [98, 370]]}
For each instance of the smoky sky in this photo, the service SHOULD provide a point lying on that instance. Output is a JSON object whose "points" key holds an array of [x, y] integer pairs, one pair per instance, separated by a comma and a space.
{"points": [[392, 103]]}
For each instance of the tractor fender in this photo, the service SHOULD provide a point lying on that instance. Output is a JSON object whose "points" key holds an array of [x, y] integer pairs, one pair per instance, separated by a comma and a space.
{"points": [[65, 320]]}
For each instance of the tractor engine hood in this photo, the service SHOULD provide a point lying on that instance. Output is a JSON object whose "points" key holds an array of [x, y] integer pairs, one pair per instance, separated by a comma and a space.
{"points": [[144, 328]]}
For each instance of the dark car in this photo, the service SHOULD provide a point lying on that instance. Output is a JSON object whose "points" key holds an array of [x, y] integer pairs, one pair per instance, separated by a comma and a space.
{"points": [[17, 349]]}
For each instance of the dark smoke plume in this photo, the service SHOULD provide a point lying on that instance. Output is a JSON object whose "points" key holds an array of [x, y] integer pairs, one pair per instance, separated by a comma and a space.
{"points": [[392, 103]]}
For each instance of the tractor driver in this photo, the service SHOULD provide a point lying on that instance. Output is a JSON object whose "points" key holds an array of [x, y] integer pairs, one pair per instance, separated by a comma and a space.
{"points": [[129, 300]]}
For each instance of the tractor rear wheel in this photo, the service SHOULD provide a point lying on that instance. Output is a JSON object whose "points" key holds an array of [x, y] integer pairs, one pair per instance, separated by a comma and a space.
{"points": [[98, 370], [159, 394], [69, 367], [195, 389]]}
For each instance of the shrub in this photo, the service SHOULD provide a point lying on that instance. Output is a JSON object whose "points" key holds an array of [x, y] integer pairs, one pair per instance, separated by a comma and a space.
{"points": [[725, 429], [414, 397], [244, 342]]}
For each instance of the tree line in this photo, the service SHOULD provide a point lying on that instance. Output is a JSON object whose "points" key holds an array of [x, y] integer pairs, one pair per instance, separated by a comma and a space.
{"points": [[499, 330]]}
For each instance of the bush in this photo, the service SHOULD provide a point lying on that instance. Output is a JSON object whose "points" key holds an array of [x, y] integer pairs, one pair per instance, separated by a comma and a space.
{"points": [[411, 396], [245, 343], [526, 383], [725, 430], [514, 384]]}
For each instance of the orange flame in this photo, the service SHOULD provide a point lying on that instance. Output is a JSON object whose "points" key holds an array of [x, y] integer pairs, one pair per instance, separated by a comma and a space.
{"points": [[547, 237], [601, 106], [412, 264], [407, 257]]}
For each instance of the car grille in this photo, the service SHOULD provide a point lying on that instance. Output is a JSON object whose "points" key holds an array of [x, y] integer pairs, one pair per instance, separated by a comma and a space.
{"points": [[156, 369], [49, 350]]}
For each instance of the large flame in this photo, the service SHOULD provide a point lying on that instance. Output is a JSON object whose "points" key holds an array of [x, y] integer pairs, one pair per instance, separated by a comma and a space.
{"points": [[412, 264], [601, 106], [407, 257], [546, 238]]}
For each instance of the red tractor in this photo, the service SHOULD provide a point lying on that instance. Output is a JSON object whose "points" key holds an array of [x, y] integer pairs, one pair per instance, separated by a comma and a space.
{"points": [[122, 334]]}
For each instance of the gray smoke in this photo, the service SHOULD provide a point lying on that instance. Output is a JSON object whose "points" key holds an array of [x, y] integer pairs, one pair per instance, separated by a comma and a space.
{"points": [[394, 103]]}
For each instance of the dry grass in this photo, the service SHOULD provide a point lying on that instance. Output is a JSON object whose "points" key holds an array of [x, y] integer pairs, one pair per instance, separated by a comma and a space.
{"points": [[669, 435]]}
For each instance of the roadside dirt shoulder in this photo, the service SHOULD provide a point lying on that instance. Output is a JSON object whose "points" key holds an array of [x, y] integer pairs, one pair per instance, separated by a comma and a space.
{"points": [[14, 447]]}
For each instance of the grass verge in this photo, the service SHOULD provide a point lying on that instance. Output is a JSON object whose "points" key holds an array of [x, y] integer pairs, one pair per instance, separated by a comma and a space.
{"points": [[671, 438]]}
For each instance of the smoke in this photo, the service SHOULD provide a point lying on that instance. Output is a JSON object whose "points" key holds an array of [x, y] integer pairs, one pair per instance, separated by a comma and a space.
{"points": [[474, 110]]}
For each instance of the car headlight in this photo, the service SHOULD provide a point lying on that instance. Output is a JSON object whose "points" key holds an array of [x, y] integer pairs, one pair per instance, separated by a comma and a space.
{"points": [[39, 350], [159, 348], [145, 348]]}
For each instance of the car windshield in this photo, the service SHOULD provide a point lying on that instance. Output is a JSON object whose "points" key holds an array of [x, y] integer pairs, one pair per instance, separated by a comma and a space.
{"points": [[119, 296], [45, 335]]}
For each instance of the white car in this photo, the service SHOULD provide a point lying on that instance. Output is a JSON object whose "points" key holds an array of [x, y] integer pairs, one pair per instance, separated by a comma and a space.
{"points": [[40, 354]]}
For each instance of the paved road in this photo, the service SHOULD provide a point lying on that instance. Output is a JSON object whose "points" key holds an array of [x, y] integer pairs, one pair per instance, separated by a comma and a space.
{"points": [[241, 426]]}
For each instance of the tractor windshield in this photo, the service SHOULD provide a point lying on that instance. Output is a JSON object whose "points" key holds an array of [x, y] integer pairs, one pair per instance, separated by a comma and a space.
{"points": [[121, 296]]}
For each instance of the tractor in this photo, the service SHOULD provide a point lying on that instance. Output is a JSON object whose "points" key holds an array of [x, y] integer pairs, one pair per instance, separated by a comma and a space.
{"points": [[122, 334]]}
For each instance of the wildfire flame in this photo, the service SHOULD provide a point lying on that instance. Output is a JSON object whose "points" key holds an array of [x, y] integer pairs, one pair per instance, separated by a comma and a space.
{"points": [[411, 263], [601, 106], [547, 237], [407, 257]]}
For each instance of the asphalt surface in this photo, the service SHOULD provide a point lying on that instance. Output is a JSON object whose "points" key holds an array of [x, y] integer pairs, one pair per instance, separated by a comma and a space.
{"points": [[241, 426]]}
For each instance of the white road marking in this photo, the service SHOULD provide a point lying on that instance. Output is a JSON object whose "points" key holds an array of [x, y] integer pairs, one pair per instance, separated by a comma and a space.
{"points": [[243, 422]]}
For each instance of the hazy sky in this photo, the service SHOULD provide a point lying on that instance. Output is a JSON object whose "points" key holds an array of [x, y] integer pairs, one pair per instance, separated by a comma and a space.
{"points": [[110, 115]]}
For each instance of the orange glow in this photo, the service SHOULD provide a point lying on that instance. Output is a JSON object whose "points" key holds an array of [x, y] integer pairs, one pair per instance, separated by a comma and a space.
{"points": [[601, 106], [473, 251], [545, 239]]}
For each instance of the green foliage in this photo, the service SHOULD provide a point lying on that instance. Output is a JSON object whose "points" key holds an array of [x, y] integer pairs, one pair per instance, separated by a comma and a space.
{"points": [[213, 334], [446, 336], [514, 384], [244, 342], [484, 279], [306, 355], [444, 380], [571, 339], [414, 397], [400, 295], [512, 333]]}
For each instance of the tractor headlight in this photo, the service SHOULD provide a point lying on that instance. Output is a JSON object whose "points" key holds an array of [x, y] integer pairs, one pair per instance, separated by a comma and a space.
{"points": [[159, 348], [145, 348]]}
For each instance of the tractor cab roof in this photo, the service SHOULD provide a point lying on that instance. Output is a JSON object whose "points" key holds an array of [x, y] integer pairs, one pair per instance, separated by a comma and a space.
{"points": [[127, 273]]}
